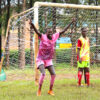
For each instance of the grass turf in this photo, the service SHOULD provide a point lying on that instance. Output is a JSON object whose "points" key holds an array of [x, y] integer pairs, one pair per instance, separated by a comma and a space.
{"points": [[18, 87]]}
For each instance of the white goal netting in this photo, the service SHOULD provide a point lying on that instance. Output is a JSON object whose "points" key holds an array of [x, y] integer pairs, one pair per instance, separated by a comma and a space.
{"points": [[19, 50]]}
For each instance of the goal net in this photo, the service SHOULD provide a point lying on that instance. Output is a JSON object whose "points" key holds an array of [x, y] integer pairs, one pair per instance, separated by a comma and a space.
{"points": [[22, 44]]}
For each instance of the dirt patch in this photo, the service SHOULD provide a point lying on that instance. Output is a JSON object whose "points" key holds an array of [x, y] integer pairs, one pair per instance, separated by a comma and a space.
{"points": [[11, 77]]}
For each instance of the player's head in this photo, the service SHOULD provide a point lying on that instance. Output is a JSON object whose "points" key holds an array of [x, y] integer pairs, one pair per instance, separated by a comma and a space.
{"points": [[49, 33], [84, 31]]}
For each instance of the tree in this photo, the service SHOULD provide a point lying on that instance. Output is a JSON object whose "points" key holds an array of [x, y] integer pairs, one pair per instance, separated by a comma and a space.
{"points": [[19, 42], [54, 17], [22, 43], [31, 3], [7, 42], [54, 23], [95, 2], [96, 53], [73, 37], [31, 40], [73, 40], [8, 12]]}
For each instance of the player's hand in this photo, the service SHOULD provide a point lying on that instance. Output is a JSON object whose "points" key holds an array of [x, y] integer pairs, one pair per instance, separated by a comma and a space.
{"points": [[30, 21]]}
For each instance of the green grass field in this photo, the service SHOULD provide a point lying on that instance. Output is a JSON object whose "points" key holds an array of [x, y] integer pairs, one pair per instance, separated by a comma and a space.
{"points": [[20, 85]]}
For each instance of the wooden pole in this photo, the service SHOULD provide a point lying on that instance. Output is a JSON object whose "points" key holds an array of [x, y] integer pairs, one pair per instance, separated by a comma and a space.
{"points": [[36, 43], [5, 43]]}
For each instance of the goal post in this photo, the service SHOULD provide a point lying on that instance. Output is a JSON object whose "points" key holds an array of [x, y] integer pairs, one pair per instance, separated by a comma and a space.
{"points": [[7, 32], [57, 5], [64, 5], [36, 6], [44, 15]]}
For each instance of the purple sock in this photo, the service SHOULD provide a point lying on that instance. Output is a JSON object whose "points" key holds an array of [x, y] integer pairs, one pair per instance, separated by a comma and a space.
{"points": [[52, 81], [41, 80]]}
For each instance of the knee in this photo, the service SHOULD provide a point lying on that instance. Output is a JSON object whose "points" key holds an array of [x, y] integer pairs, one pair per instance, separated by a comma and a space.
{"points": [[43, 74], [53, 74], [79, 72], [87, 73]]}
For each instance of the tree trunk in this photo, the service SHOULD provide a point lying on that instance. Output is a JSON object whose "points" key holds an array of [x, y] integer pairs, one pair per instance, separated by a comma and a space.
{"points": [[54, 17], [31, 41], [73, 55], [73, 40], [8, 12], [7, 44], [96, 53], [19, 49], [7, 51], [22, 42], [45, 15], [31, 3], [31, 48], [54, 25], [22, 49]]}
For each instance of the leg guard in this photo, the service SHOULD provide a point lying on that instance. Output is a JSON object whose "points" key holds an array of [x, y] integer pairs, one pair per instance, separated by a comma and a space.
{"points": [[79, 77]]}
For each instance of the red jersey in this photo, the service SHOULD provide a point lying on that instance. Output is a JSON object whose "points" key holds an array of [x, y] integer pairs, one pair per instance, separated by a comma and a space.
{"points": [[79, 44]]}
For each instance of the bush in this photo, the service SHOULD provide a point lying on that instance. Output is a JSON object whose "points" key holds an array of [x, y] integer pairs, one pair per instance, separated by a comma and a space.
{"points": [[13, 57], [63, 55]]}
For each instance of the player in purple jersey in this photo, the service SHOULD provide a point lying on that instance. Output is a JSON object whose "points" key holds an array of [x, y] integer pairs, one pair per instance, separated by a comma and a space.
{"points": [[46, 53]]}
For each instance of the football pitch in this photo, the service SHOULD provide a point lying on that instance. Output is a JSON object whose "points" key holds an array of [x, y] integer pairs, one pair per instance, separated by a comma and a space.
{"points": [[20, 85]]}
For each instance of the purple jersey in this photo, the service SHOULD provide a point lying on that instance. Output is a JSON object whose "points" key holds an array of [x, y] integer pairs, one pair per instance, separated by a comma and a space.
{"points": [[46, 48]]}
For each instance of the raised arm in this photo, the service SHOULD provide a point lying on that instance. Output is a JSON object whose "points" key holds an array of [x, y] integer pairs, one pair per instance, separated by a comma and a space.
{"points": [[66, 28], [33, 26]]}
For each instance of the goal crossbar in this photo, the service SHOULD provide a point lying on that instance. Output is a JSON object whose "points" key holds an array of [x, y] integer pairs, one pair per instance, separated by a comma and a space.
{"points": [[63, 5]]}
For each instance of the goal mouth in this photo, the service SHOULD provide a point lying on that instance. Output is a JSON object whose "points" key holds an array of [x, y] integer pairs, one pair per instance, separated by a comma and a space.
{"points": [[55, 16]]}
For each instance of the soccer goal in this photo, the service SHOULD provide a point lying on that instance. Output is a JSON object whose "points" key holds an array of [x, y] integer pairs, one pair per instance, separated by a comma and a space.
{"points": [[21, 43]]}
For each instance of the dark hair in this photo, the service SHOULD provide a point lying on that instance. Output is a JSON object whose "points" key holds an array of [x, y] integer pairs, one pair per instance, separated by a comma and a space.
{"points": [[83, 28], [47, 29]]}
